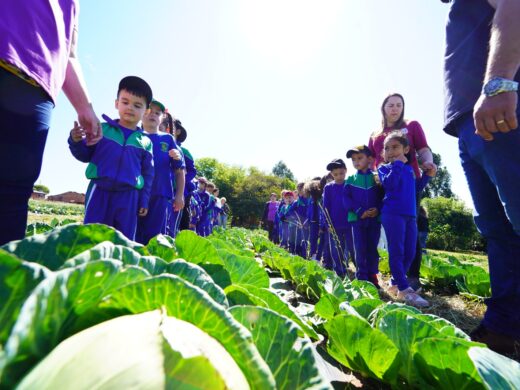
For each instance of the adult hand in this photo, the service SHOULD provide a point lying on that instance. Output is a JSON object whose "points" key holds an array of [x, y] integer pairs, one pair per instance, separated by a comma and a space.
{"points": [[90, 123], [495, 114], [431, 171], [178, 203]]}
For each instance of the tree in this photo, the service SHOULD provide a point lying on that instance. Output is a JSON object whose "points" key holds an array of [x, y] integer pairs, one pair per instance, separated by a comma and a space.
{"points": [[451, 225], [41, 188], [440, 185], [282, 170]]}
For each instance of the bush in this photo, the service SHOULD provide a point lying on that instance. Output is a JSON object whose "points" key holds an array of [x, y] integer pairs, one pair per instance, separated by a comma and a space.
{"points": [[451, 226]]}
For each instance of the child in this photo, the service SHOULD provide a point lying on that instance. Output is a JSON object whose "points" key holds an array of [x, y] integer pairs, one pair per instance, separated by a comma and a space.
{"points": [[423, 227], [335, 212], [121, 163], [210, 209], [224, 213], [202, 198], [167, 172], [283, 211], [398, 214], [314, 192], [363, 197], [299, 208]]}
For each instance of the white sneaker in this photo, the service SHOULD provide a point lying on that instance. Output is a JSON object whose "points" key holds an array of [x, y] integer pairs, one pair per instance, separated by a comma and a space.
{"points": [[392, 290], [410, 297]]}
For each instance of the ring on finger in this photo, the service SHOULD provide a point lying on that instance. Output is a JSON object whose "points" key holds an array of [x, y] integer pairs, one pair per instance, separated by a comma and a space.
{"points": [[500, 121]]}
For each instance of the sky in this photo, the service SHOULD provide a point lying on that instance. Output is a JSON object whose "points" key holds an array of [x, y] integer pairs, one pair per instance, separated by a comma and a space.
{"points": [[259, 81]]}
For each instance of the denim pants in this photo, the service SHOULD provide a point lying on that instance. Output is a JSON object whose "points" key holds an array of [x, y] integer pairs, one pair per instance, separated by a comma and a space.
{"points": [[25, 115], [492, 169]]}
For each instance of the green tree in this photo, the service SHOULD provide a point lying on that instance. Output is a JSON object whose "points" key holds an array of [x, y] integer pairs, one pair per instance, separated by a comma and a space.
{"points": [[41, 188], [440, 185], [282, 170], [451, 225]]}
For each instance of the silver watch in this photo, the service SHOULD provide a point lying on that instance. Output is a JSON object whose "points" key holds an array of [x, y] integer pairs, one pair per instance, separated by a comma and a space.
{"points": [[499, 85]]}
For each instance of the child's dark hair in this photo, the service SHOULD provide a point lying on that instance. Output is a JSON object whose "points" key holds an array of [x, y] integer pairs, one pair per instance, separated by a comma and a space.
{"points": [[400, 137], [300, 185], [313, 189], [137, 87], [325, 179], [178, 126], [168, 120]]}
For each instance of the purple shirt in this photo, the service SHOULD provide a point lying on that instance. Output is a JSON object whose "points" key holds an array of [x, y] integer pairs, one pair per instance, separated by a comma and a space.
{"points": [[416, 138], [37, 38], [271, 211]]}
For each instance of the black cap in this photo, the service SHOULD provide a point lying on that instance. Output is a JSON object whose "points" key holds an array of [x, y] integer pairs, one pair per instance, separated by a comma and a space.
{"points": [[136, 86], [336, 163], [359, 149]]}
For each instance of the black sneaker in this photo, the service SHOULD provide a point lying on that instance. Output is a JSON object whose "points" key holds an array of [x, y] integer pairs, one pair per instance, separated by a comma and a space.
{"points": [[498, 342]]}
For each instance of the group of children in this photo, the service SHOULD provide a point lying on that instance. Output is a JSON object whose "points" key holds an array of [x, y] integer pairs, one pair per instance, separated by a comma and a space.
{"points": [[334, 218], [142, 181]]}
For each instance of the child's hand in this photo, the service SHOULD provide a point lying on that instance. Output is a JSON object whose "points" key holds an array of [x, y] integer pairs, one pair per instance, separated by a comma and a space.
{"points": [[191, 226], [376, 178], [175, 154], [143, 212], [365, 214], [372, 212], [77, 133], [178, 203], [402, 158], [430, 170]]}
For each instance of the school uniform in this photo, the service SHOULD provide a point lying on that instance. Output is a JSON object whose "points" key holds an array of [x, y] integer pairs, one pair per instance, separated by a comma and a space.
{"points": [[362, 193], [163, 188], [121, 171], [398, 216]]}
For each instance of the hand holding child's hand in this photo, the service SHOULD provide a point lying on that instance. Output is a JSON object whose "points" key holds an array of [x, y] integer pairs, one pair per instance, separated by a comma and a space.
{"points": [[372, 212], [175, 154], [143, 212], [430, 170]]}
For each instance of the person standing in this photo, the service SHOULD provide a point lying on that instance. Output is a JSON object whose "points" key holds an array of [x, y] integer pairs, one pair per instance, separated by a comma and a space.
{"points": [[392, 113], [37, 60], [481, 72], [269, 214]]}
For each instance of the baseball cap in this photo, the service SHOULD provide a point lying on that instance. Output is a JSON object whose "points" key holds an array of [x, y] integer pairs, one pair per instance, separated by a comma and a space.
{"points": [[359, 149], [336, 163], [159, 104]]}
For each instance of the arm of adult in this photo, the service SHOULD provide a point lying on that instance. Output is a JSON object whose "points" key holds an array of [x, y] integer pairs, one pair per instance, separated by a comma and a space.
{"points": [[75, 89], [498, 113]]}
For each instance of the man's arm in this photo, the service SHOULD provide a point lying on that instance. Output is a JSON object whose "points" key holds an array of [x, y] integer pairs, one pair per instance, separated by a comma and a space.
{"points": [[498, 113], [75, 89]]}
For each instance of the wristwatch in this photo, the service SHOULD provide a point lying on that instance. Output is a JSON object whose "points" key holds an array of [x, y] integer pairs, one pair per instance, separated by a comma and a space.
{"points": [[499, 85]]}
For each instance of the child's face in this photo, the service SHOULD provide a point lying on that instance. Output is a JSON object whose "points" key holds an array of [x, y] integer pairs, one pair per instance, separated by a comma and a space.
{"points": [[394, 150], [131, 109], [361, 161], [202, 186], [210, 189], [273, 198], [153, 116], [288, 199], [338, 174]]}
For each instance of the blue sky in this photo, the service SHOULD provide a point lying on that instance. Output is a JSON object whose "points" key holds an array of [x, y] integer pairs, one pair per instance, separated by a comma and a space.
{"points": [[255, 82]]}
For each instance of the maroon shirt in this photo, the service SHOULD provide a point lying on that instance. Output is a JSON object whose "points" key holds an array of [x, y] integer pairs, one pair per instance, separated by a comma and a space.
{"points": [[416, 138]]}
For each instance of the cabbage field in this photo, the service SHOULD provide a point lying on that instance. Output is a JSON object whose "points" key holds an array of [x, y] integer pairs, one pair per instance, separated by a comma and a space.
{"points": [[83, 307]]}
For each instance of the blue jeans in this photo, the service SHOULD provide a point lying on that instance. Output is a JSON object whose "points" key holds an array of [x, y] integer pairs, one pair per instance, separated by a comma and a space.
{"points": [[25, 115], [492, 170]]}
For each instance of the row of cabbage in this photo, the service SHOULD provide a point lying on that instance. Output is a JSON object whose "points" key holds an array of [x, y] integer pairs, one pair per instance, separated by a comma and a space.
{"points": [[83, 306], [446, 272]]}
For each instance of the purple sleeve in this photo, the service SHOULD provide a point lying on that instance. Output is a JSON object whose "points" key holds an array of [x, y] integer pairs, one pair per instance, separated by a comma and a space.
{"points": [[390, 174], [80, 150], [147, 171]]}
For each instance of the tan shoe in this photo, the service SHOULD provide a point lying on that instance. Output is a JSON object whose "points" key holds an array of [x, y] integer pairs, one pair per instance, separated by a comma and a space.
{"points": [[410, 297]]}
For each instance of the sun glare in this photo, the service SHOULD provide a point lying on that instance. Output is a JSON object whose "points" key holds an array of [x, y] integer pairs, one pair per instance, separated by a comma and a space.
{"points": [[288, 33]]}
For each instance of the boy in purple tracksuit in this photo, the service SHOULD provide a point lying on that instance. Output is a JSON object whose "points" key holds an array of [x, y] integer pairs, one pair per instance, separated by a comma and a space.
{"points": [[314, 212], [121, 163], [168, 180], [335, 212], [283, 213], [363, 197], [203, 200]]}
